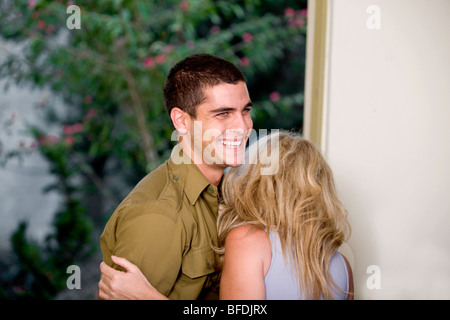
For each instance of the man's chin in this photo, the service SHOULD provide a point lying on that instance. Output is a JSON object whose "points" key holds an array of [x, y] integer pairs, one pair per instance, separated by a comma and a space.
{"points": [[236, 163]]}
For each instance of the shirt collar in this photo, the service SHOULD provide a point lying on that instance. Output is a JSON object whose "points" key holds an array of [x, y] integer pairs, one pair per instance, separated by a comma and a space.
{"points": [[191, 178]]}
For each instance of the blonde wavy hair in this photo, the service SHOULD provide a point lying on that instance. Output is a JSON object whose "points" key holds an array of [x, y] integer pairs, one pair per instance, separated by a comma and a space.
{"points": [[299, 202]]}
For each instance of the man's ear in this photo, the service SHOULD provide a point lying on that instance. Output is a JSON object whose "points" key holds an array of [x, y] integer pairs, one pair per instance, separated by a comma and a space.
{"points": [[180, 120]]}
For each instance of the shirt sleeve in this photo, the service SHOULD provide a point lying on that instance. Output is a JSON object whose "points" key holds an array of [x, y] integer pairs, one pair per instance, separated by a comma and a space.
{"points": [[153, 241]]}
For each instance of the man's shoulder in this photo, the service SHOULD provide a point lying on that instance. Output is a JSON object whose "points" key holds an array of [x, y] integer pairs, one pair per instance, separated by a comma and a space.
{"points": [[154, 194], [151, 186]]}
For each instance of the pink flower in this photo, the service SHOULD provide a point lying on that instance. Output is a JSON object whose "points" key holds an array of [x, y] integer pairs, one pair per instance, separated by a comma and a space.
{"points": [[67, 130], [31, 4], [274, 96], [149, 62], [91, 113], [77, 127], [245, 61], [160, 58], [298, 22], [304, 12], [247, 37], [184, 5], [69, 140], [52, 139], [19, 289], [50, 28], [45, 141], [214, 30], [169, 48], [41, 24], [289, 12]]}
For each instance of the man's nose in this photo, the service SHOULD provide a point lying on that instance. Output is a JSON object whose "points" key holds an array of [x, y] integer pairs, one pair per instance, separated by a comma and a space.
{"points": [[241, 124]]}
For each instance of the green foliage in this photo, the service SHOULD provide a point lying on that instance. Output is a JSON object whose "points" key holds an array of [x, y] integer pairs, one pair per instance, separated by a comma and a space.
{"points": [[110, 74], [42, 270]]}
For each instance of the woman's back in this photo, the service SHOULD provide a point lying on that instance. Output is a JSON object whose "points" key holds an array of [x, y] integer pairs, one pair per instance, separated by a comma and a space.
{"points": [[281, 282]]}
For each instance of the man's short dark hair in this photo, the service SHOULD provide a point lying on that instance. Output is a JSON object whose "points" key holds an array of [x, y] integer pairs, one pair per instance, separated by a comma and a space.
{"points": [[186, 81]]}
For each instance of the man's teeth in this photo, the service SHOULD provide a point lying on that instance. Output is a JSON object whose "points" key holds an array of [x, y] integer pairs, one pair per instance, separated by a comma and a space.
{"points": [[232, 144]]}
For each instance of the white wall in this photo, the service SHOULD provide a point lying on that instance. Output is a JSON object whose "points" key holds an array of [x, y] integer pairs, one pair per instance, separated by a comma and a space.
{"points": [[387, 138], [22, 182]]}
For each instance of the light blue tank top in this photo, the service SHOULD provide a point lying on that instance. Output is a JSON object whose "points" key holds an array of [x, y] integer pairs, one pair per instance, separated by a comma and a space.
{"points": [[281, 282]]}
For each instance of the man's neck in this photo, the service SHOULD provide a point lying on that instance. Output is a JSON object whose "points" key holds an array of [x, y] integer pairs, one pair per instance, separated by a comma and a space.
{"points": [[214, 175]]}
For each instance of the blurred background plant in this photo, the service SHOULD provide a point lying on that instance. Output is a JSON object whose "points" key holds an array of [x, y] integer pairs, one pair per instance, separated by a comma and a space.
{"points": [[115, 129]]}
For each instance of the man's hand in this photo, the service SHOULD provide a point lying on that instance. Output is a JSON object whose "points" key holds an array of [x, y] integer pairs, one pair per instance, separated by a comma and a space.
{"points": [[128, 285]]}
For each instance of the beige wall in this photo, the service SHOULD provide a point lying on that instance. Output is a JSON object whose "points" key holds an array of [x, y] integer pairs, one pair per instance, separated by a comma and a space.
{"points": [[386, 134]]}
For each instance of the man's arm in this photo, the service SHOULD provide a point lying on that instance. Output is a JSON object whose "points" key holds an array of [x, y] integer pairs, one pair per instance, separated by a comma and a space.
{"points": [[128, 285], [153, 242]]}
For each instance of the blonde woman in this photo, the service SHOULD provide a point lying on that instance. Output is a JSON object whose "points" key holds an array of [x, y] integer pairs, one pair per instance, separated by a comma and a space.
{"points": [[278, 231]]}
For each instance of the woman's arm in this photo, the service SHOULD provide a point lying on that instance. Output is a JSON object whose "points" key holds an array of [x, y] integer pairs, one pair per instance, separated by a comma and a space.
{"points": [[128, 285], [247, 260]]}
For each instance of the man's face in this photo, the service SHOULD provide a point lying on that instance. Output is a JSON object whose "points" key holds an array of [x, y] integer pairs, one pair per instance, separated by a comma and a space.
{"points": [[222, 126]]}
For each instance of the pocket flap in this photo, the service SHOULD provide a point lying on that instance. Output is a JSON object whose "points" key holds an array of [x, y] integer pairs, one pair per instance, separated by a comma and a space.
{"points": [[198, 263]]}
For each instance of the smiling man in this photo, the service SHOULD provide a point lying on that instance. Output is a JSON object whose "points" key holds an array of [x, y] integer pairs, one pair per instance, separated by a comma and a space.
{"points": [[215, 137], [167, 223]]}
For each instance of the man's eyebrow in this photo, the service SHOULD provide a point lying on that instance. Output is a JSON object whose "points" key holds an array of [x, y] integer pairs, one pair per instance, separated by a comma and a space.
{"points": [[228, 109], [222, 109]]}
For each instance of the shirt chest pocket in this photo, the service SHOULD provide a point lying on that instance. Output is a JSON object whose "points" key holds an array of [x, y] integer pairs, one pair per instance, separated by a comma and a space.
{"points": [[198, 262]]}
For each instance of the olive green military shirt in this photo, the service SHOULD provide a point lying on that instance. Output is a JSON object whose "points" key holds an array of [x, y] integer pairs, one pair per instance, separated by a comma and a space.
{"points": [[165, 226]]}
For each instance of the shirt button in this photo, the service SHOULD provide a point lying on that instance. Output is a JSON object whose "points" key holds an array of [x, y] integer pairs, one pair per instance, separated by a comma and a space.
{"points": [[208, 265], [211, 190], [175, 177]]}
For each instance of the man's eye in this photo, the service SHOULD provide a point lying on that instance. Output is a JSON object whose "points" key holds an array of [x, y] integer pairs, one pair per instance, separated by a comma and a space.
{"points": [[222, 114]]}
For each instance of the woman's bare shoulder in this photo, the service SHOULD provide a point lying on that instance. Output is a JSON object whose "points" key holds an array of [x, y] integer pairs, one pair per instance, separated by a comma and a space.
{"points": [[249, 243], [248, 233]]}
